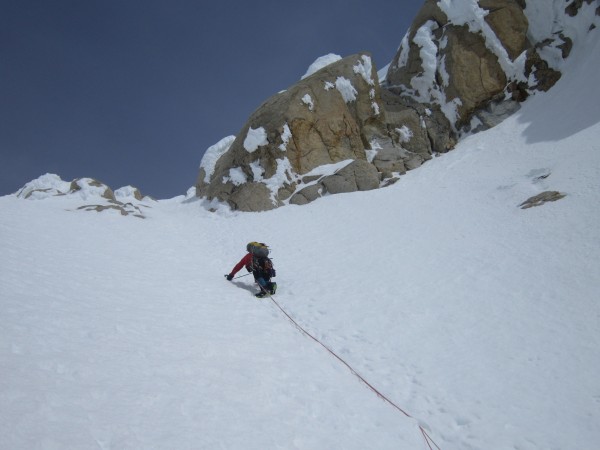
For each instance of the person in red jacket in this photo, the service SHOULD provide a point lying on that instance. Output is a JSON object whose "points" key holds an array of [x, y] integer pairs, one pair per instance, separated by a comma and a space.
{"points": [[245, 261], [257, 262]]}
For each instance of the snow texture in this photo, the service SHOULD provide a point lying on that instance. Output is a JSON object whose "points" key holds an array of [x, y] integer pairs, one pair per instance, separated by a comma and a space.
{"points": [[236, 176], [126, 194], [364, 67], [547, 19], [283, 174], [405, 133], [212, 155], [257, 171], [382, 74], [375, 107], [89, 189], [424, 83], [404, 51], [45, 186], [308, 101], [345, 87], [285, 137], [321, 62], [255, 138]]}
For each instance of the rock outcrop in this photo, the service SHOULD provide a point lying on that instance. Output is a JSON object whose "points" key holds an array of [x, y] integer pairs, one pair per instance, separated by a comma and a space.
{"points": [[333, 115], [95, 195], [358, 175], [540, 199], [463, 67], [462, 60]]}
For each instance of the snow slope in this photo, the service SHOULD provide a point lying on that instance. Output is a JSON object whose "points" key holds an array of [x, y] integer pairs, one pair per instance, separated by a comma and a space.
{"points": [[478, 318]]}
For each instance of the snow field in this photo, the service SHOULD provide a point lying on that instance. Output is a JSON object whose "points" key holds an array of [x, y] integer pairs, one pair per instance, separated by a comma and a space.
{"points": [[125, 337]]}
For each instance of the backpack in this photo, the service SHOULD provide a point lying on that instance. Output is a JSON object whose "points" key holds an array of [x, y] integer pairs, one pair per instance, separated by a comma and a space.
{"points": [[261, 263], [258, 249]]}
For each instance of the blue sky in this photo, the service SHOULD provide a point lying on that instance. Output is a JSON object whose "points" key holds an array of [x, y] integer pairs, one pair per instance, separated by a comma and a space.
{"points": [[133, 92]]}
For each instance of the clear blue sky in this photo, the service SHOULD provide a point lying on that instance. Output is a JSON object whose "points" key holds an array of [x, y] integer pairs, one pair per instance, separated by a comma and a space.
{"points": [[133, 92]]}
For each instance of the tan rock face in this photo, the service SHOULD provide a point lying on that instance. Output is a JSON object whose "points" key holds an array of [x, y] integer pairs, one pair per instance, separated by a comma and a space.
{"points": [[476, 62], [328, 117], [356, 176], [507, 20], [474, 72]]}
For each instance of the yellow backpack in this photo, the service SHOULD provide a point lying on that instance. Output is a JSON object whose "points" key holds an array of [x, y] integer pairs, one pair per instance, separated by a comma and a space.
{"points": [[260, 259], [258, 249]]}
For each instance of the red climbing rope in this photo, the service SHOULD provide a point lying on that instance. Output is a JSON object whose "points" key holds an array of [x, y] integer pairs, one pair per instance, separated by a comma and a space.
{"points": [[428, 440]]}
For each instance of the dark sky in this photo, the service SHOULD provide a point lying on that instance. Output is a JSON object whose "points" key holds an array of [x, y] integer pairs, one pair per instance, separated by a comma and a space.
{"points": [[133, 92]]}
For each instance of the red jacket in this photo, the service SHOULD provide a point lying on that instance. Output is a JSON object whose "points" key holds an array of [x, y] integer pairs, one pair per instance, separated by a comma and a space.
{"points": [[245, 261]]}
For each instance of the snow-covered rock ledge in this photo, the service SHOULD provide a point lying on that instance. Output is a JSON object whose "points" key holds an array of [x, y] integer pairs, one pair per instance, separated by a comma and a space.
{"points": [[86, 194]]}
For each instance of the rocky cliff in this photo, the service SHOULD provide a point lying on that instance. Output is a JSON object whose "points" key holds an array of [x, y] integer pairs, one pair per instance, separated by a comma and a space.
{"points": [[462, 67], [330, 116]]}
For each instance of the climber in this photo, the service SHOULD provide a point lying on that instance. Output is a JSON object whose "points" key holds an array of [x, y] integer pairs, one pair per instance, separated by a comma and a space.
{"points": [[261, 266]]}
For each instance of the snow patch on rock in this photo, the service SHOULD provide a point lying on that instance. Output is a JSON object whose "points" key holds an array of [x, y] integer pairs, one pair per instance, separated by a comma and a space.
{"points": [[128, 194], [345, 87], [321, 62], [308, 101], [257, 170], [404, 51], [212, 155], [285, 137], [424, 85], [255, 138], [404, 133], [364, 69], [47, 185], [236, 176], [283, 175]]}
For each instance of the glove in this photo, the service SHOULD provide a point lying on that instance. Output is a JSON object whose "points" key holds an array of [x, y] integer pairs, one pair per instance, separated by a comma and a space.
{"points": [[229, 277], [249, 269]]}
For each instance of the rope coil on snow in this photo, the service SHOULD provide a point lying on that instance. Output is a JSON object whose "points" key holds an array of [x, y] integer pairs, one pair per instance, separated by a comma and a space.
{"points": [[428, 440]]}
